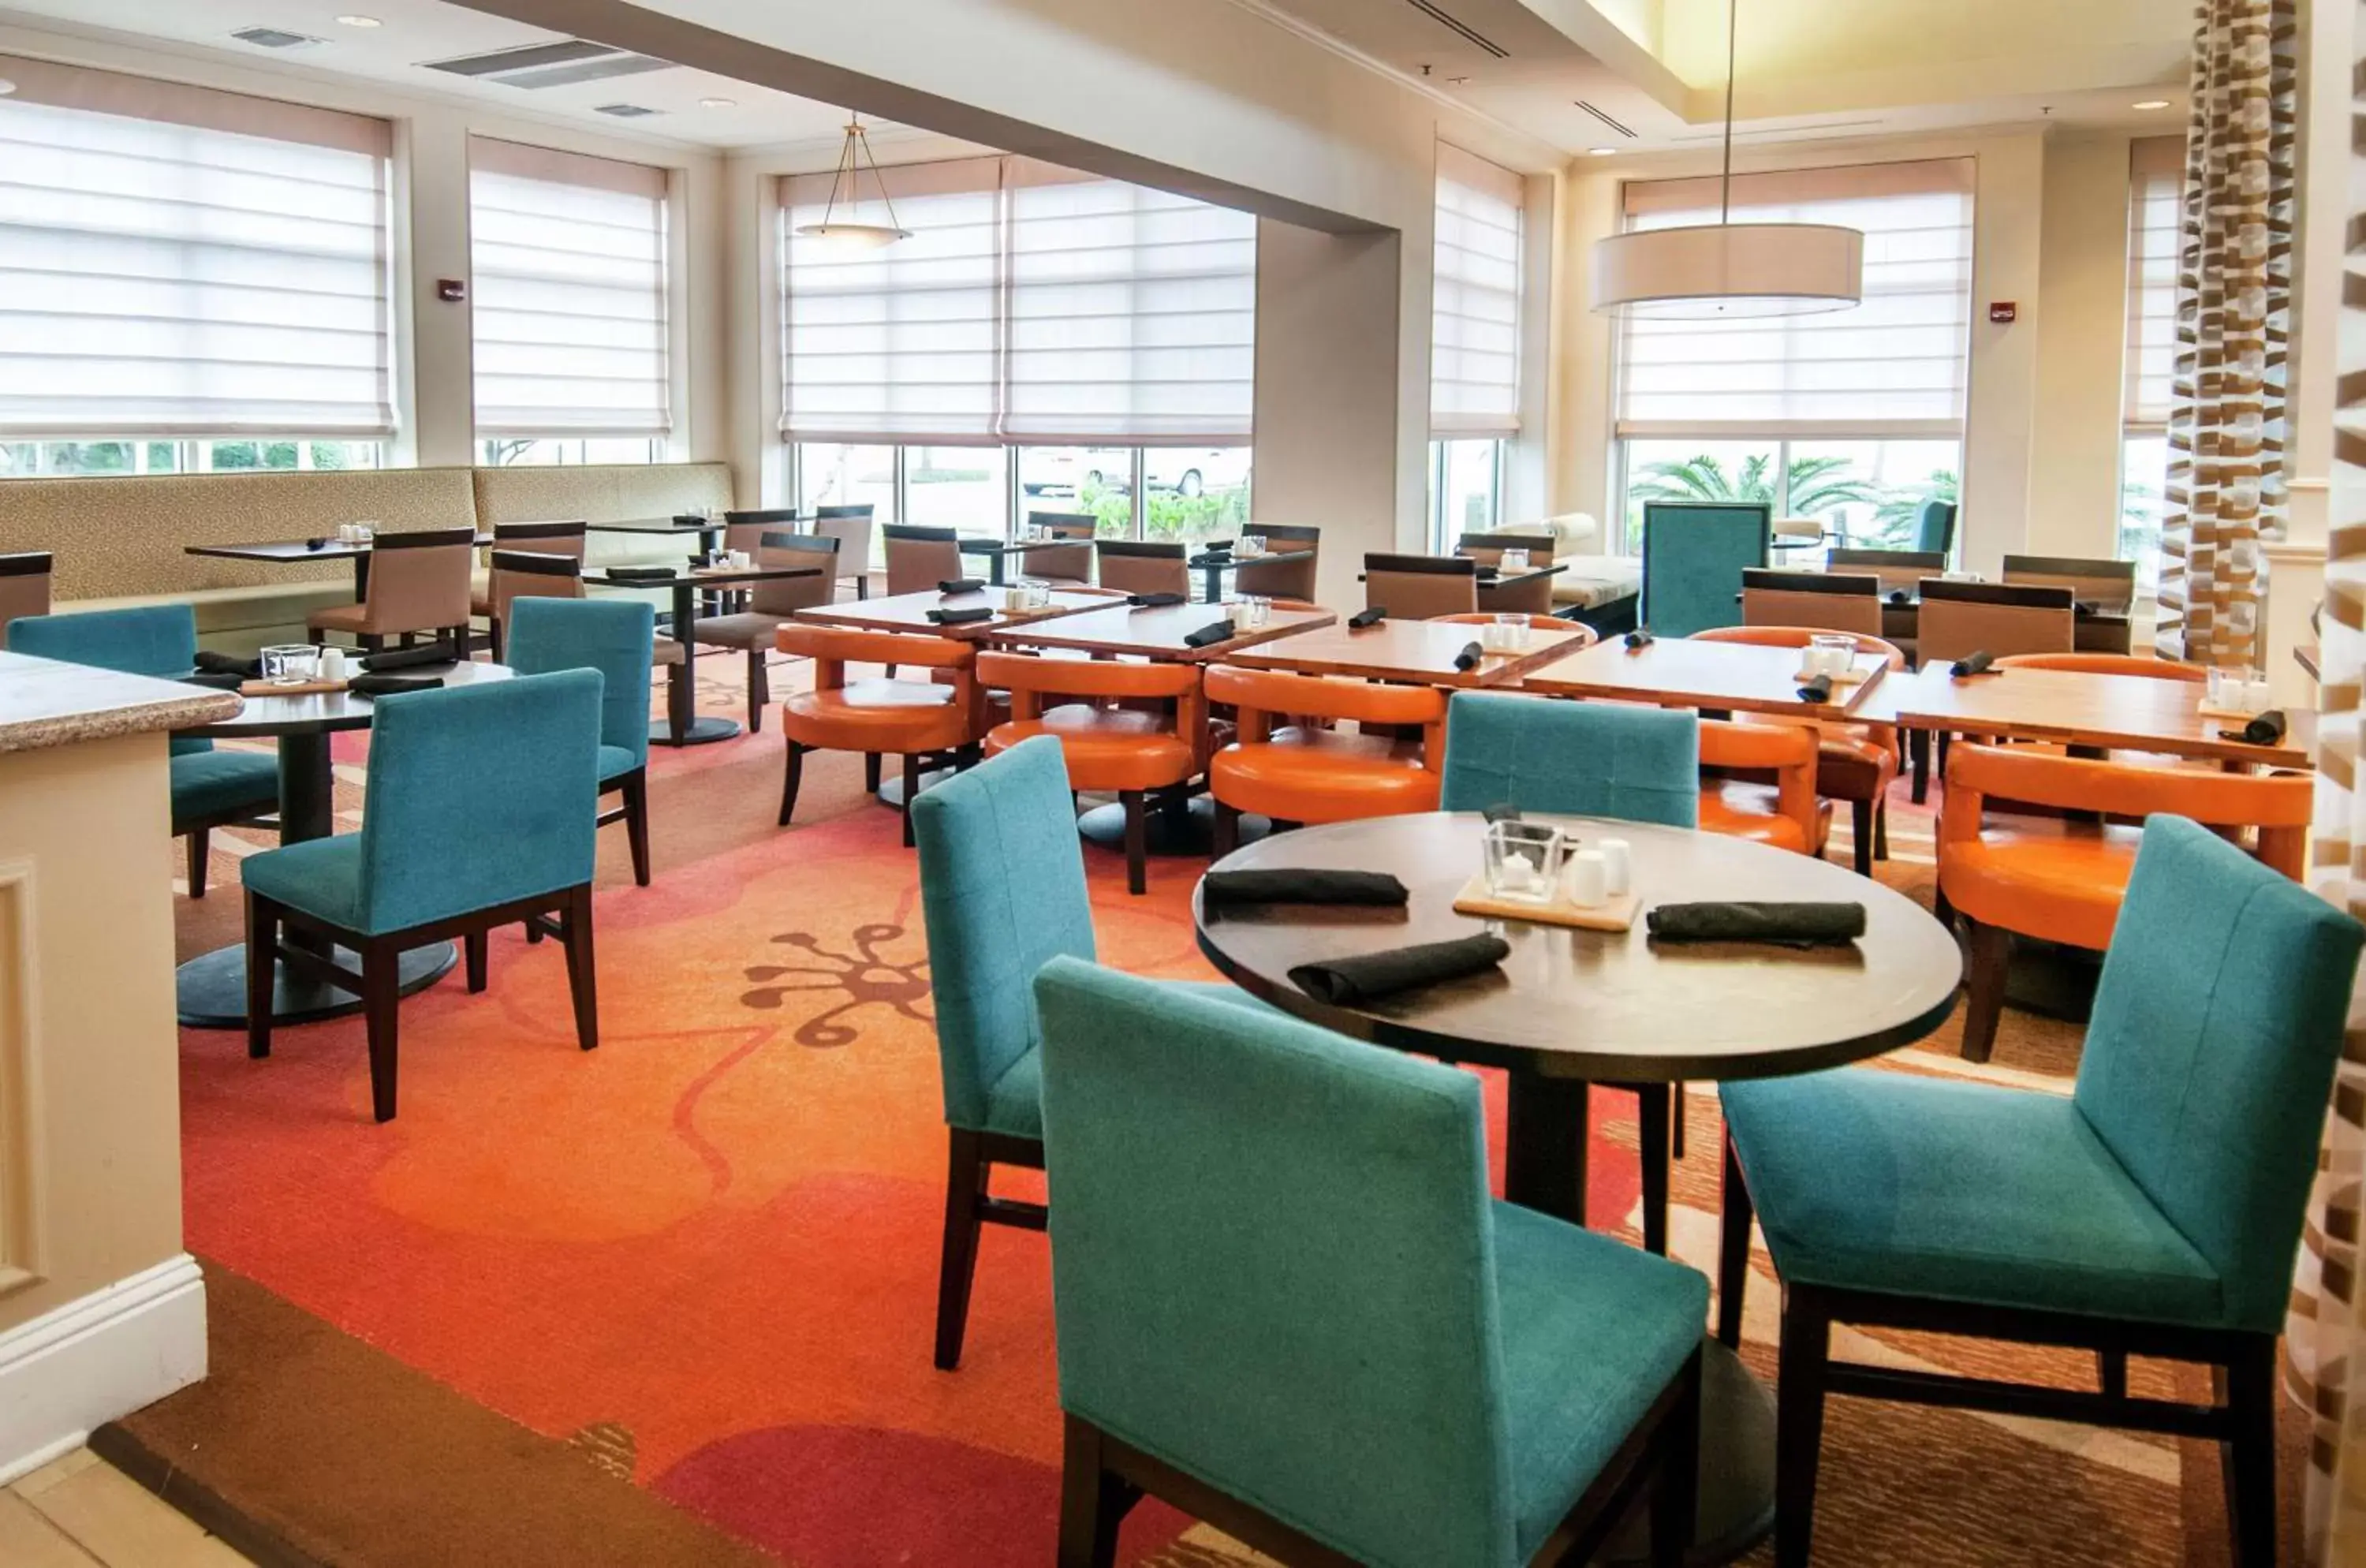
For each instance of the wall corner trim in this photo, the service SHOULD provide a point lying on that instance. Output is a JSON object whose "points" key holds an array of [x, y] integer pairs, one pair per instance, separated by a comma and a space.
{"points": [[102, 1355]]}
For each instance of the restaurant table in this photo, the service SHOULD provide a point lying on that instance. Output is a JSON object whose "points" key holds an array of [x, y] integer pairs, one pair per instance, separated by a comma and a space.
{"points": [[212, 986], [999, 550], [298, 552], [2091, 631], [684, 725], [1568, 1009], [708, 531], [1212, 565], [909, 613], [1725, 676], [1412, 653]]}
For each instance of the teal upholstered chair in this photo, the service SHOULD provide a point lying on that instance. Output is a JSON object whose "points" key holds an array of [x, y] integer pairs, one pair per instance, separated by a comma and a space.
{"points": [[211, 789], [2153, 1212], [1934, 528], [482, 807], [1693, 556], [1002, 890], [1287, 1304], [618, 638]]}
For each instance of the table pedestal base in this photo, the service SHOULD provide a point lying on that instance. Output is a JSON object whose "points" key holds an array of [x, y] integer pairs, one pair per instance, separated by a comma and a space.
{"points": [[1190, 831], [704, 731], [1737, 1469], [212, 987]]}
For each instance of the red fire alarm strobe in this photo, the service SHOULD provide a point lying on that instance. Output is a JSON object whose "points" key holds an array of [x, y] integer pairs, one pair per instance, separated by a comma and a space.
{"points": [[451, 291], [2003, 313]]}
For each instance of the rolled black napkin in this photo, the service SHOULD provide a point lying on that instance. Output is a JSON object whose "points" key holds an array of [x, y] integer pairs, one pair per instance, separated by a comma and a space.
{"points": [[2268, 730], [1900, 596], [1367, 977], [1470, 655], [962, 617], [409, 657], [1815, 690], [1372, 617], [212, 663], [1639, 637], [1217, 547], [319, 542], [641, 573], [1214, 631], [219, 680], [391, 685], [1978, 664], [1786, 925], [1221, 888], [1156, 601], [960, 585], [690, 519]]}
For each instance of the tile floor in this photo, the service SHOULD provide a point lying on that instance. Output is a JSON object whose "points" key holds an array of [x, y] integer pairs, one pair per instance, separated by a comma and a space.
{"points": [[81, 1512]]}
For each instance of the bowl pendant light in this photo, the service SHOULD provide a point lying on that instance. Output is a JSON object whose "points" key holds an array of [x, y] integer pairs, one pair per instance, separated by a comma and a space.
{"points": [[1728, 270], [844, 233]]}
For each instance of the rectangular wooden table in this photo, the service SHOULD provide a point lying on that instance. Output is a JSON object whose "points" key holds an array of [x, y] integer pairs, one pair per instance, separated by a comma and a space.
{"points": [[1122, 631], [1728, 677], [684, 725], [708, 530], [909, 612], [1212, 566], [997, 551], [298, 552], [1413, 653]]}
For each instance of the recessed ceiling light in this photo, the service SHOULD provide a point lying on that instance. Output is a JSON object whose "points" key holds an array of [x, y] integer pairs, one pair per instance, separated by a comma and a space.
{"points": [[1601, 152], [361, 21], [2150, 104], [718, 103]]}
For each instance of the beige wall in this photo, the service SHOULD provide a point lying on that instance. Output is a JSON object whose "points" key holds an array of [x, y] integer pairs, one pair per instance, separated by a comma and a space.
{"points": [[2074, 496]]}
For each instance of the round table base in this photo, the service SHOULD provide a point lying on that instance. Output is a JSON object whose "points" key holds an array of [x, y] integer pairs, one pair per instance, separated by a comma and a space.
{"points": [[1191, 832], [704, 731], [212, 987], [1737, 1468]]}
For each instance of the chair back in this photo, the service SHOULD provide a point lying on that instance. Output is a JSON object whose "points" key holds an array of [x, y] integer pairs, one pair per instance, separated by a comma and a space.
{"points": [[853, 527], [1617, 759], [1959, 618], [745, 530], [418, 580], [2277, 804], [1693, 556], [787, 595], [1488, 549], [1139, 565], [1897, 572], [1261, 695], [616, 636], [1421, 588], [2211, 1052], [919, 558], [1826, 601], [151, 639], [2143, 666], [1002, 892], [1282, 579], [479, 795], [1578, 632], [2099, 587], [1787, 750], [530, 574], [1934, 528], [23, 585], [1800, 636], [1220, 1297], [542, 538], [1075, 565]]}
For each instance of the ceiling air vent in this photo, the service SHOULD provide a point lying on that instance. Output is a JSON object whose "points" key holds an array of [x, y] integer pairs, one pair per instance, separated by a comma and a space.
{"points": [[1595, 111], [1460, 29], [536, 65], [274, 38], [626, 111]]}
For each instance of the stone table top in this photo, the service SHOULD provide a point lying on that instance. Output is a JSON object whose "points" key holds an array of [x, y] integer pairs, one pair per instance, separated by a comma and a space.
{"points": [[44, 703]]}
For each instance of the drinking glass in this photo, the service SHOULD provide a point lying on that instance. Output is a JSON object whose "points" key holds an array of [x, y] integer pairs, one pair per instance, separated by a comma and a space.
{"points": [[1831, 653], [1039, 594], [1524, 860], [1512, 560], [1506, 634], [1253, 611], [1250, 544], [291, 664]]}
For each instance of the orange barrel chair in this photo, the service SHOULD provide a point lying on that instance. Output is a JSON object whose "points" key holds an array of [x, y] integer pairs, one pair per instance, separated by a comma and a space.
{"points": [[2108, 664], [1134, 753], [930, 723], [2062, 880], [1303, 772], [1855, 762], [1785, 814]]}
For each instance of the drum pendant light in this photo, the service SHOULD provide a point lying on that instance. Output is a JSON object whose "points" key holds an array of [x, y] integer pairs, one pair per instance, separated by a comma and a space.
{"points": [[844, 185], [1728, 270]]}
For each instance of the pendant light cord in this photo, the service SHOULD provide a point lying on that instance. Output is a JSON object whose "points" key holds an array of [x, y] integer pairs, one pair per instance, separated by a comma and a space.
{"points": [[1724, 180], [850, 173]]}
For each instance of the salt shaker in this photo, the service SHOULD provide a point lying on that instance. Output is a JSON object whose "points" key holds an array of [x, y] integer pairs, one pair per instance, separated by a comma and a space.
{"points": [[1619, 866], [1589, 879], [332, 663]]}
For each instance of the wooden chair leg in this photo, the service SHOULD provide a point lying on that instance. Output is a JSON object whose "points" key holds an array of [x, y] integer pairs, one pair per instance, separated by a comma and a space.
{"points": [[1732, 1251], [1227, 836], [261, 969], [477, 947], [637, 823], [1137, 841], [1799, 1423], [1881, 830], [965, 1176], [759, 691], [493, 638], [793, 776], [201, 846], [1651, 1104], [582, 983], [1676, 1489], [1676, 1120], [1093, 1503], [911, 792], [2250, 1459], [2112, 1372], [381, 1000], [1861, 831], [1984, 988], [870, 772]]}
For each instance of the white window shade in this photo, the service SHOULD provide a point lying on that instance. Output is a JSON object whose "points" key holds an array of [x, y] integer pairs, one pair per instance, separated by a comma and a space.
{"points": [[175, 261], [567, 257], [2155, 202], [1131, 314], [1474, 376], [901, 344], [1896, 365]]}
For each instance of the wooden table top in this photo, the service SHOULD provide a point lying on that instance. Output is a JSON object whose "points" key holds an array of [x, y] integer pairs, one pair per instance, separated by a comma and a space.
{"points": [[1514, 579], [670, 526], [909, 612], [1227, 560], [1734, 677], [985, 547], [1156, 634], [2124, 713], [1413, 653], [1600, 1006], [282, 552], [698, 577], [316, 713]]}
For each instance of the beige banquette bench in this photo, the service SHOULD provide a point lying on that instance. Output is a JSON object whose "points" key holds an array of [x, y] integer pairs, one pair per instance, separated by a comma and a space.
{"points": [[120, 541]]}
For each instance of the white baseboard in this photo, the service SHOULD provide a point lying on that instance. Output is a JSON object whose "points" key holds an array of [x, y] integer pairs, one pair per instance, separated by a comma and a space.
{"points": [[82, 1365]]}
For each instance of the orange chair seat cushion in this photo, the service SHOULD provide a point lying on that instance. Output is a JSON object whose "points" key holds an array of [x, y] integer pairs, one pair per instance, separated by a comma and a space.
{"points": [[1106, 747], [2059, 881], [877, 716], [1741, 810], [1324, 776]]}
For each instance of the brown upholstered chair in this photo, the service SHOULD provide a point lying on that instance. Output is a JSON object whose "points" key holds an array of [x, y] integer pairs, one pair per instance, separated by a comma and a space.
{"points": [[419, 581], [1063, 568], [853, 527], [770, 604], [1825, 601], [1961, 618], [2103, 592], [1421, 588], [1531, 598], [1138, 566], [1285, 579], [928, 723], [919, 558], [1899, 572], [745, 530], [24, 585], [564, 539]]}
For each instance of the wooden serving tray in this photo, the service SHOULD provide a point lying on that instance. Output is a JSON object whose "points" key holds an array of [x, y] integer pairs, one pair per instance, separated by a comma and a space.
{"points": [[2234, 715], [1617, 915], [274, 689]]}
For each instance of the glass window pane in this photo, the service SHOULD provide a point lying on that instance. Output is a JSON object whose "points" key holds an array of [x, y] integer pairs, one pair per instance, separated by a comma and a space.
{"points": [[61, 458], [833, 475], [1099, 479], [1194, 494], [1867, 494], [2144, 499], [1469, 502], [511, 452], [958, 487]]}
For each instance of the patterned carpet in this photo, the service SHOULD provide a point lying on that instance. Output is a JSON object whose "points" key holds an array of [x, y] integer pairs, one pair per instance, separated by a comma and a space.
{"points": [[705, 1253]]}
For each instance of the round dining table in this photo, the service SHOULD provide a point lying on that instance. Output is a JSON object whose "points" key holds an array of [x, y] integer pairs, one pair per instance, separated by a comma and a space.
{"points": [[212, 987], [1570, 1008]]}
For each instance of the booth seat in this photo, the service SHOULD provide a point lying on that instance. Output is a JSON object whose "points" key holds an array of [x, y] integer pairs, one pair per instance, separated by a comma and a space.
{"points": [[1596, 588], [606, 492]]}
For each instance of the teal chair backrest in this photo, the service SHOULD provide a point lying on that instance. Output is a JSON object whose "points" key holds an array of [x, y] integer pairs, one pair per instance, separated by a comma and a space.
{"points": [[479, 795], [156, 639], [2211, 1052], [1934, 527], [1002, 889], [1583, 759], [1693, 556], [615, 636], [1273, 1265]]}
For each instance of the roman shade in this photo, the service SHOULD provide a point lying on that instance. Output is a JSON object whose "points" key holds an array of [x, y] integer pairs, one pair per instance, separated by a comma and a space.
{"points": [[2155, 202], [568, 254], [177, 261], [1474, 366]]}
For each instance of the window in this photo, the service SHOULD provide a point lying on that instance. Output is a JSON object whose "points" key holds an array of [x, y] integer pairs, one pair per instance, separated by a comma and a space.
{"points": [[2156, 199], [526, 451], [567, 255], [179, 262], [1189, 493], [965, 487], [1099, 479], [1466, 489], [1474, 374], [60, 460]]}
